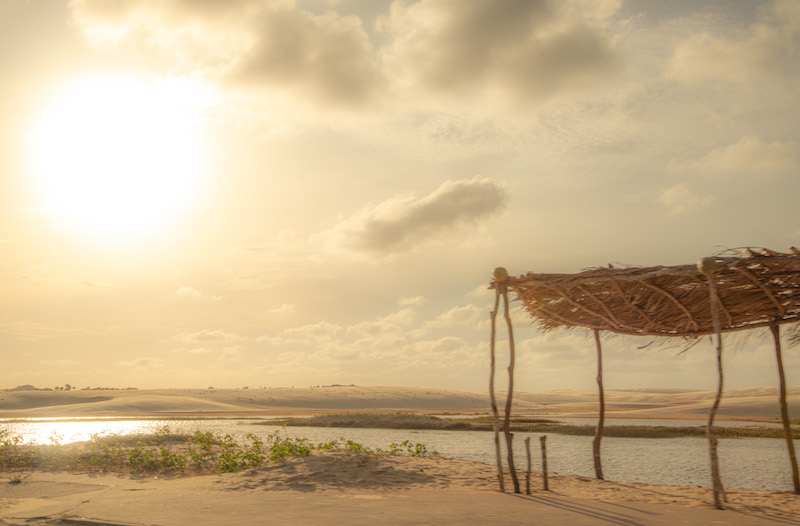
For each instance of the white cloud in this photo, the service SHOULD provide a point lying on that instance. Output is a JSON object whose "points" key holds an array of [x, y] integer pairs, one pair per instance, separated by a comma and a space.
{"points": [[194, 294], [407, 302], [274, 262], [524, 50], [680, 198], [482, 291], [314, 333], [328, 58], [464, 315], [145, 362], [387, 346], [404, 222], [200, 350], [286, 308], [769, 47], [231, 353], [34, 331], [268, 47], [750, 156], [206, 337]]}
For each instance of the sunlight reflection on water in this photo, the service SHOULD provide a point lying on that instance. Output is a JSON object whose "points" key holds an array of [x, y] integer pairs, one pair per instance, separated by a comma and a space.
{"points": [[66, 431], [758, 463]]}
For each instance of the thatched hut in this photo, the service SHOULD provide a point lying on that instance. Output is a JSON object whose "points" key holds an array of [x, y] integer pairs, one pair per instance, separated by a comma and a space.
{"points": [[733, 291]]}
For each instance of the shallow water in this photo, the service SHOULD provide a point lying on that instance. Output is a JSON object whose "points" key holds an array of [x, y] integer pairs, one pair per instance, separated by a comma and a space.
{"points": [[758, 463]]}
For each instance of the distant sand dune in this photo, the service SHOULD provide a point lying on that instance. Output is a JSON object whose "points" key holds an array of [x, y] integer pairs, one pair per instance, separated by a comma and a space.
{"points": [[753, 403]]}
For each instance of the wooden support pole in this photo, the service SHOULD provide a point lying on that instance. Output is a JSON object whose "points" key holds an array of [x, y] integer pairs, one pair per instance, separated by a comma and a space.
{"points": [[598, 434], [493, 400], [708, 266], [543, 440], [528, 473], [787, 428], [507, 422]]}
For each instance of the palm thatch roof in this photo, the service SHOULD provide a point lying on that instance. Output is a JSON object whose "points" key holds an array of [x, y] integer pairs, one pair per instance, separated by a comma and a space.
{"points": [[757, 288]]}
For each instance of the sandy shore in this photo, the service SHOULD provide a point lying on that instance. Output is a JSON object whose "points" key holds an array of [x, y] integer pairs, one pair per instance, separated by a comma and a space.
{"points": [[338, 487], [751, 404]]}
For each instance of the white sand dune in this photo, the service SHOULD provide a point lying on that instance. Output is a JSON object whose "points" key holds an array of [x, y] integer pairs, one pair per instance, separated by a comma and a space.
{"points": [[749, 403], [755, 403], [240, 401]]}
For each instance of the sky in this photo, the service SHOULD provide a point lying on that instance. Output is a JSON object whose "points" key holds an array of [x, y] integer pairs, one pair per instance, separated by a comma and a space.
{"points": [[266, 193]]}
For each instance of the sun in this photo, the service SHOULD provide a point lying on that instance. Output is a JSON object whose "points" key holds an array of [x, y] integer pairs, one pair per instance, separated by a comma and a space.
{"points": [[120, 157]]}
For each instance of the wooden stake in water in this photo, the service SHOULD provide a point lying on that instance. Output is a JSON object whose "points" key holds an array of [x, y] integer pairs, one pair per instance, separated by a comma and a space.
{"points": [[528, 474], [787, 427], [598, 434], [543, 440]]}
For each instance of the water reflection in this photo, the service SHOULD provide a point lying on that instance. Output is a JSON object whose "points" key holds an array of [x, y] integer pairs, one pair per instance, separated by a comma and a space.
{"points": [[69, 431], [758, 463]]}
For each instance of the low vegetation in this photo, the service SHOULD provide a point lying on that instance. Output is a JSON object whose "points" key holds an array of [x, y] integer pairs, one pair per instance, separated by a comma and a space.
{"points": [[374, 421], [167, 452], [521, 425]]}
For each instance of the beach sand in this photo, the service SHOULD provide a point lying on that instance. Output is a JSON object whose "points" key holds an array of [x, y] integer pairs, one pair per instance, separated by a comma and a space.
{"points": [[344, 488]]}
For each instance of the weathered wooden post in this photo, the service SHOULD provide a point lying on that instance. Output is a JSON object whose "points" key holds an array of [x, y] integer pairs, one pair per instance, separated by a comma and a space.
{"points": [[500, 274], [708, 266], [528, 473], [543, 440], [787, 428], [598, 434], [503, 286]]}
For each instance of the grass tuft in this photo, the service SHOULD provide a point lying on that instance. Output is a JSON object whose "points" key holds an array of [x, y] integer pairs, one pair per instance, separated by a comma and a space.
{"points": [[167, 452]]}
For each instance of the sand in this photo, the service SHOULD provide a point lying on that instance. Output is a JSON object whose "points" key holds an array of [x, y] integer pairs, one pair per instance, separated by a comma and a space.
{"points": [[343, 488], [750, 404]]}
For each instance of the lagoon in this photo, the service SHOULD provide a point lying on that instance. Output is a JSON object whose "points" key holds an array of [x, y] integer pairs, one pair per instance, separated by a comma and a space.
{"points": [[756, 463]]}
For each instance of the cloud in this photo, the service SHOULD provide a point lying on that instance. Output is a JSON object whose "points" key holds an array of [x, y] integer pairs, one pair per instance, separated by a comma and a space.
{"points": [[466, 315], [194, 294], [145, 362], [482, 291], [390, 344], [750, 155], [286, 308], [768, 47], [327, 58], [265, 47], [522, 50], [206, 337], [34, 331], [680, 198], [528, 50], [407, 302], [231, 353], [404, 222], [274, 262]]}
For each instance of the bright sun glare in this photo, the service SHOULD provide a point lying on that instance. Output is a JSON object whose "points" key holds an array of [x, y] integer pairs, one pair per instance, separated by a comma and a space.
{"points": [[120, 158]]}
